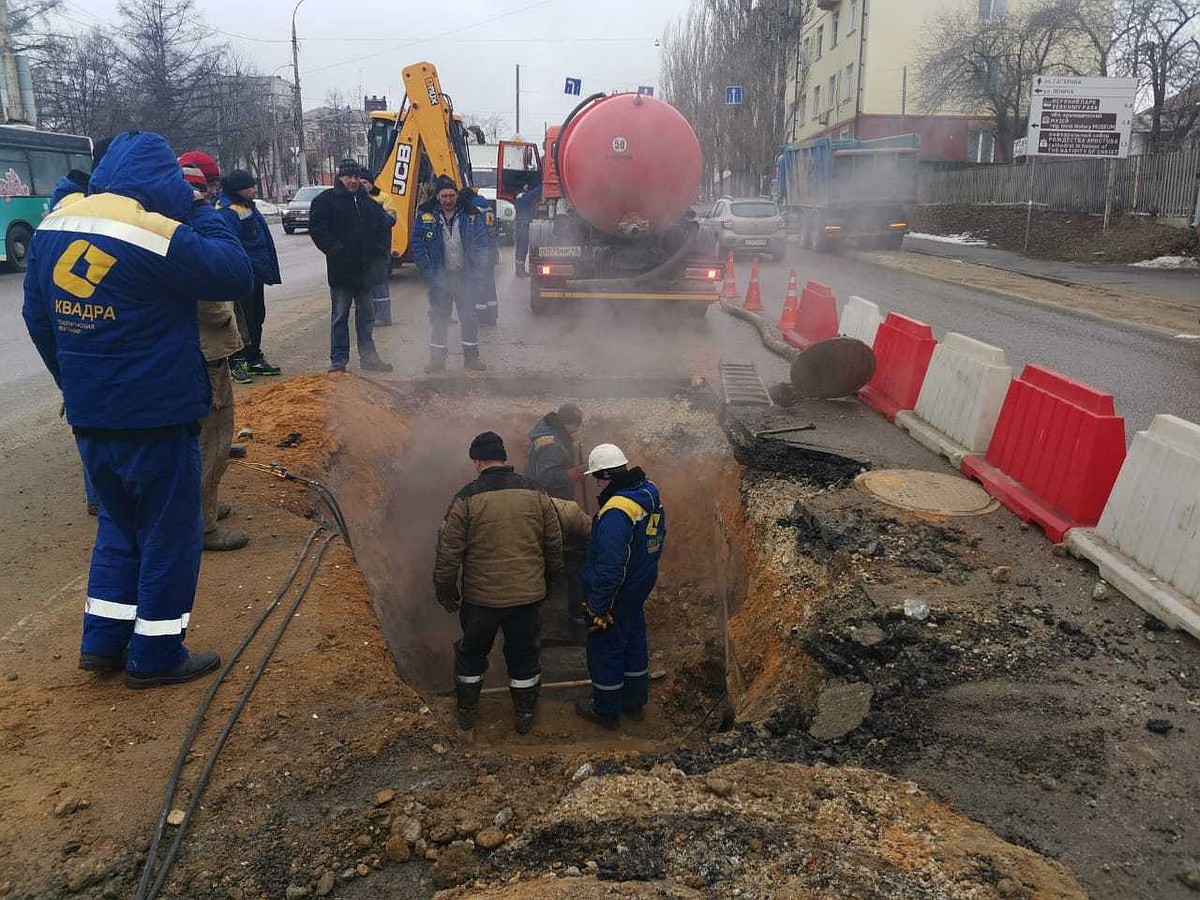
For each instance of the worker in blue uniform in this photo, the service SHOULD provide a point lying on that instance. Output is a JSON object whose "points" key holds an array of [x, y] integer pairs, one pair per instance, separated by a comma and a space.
{"points": [[111, 294], [487, 307], [622, 567], [526, 205]]}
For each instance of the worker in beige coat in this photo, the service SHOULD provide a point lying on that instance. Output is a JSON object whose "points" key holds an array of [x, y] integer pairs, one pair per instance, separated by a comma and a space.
{"points": [[567, 590]]}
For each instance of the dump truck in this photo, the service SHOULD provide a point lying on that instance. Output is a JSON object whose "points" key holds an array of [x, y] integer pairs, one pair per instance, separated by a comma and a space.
{"points": [[408, 149], [618, 177], [838, 191]]}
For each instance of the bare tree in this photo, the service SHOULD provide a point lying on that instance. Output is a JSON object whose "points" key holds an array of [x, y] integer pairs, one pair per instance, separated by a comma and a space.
{"points": [[491, 126], [1162, 49], [77, 84], [26, 24], [987, 64], [751, 43]]}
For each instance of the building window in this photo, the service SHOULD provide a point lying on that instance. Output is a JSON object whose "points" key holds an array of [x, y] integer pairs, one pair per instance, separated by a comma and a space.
{"points": [[833, 91], [833, 28], [992, 10], [803, 108], [981, 147], [820, 40], [817, 102], [848, 83], [853, 16]]}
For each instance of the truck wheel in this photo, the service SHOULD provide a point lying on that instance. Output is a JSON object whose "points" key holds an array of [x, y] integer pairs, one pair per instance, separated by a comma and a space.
{"points": [[16, 246], [537, 305]]}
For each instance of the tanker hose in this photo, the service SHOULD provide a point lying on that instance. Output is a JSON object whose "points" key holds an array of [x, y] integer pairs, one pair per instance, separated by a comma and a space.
{"points": [[690, 228], [772, 338]]}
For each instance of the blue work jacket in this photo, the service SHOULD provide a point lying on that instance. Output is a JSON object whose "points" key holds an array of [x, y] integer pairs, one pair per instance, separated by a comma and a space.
{"points": [[112, 288], [628, 534], [251, 228]]}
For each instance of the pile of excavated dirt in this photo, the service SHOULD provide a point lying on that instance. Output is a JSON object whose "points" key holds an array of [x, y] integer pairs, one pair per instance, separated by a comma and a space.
{"points": [[1061, 236], [754, 829]]}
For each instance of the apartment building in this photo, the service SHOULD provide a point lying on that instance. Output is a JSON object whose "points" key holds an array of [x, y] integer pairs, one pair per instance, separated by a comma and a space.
{"points": [[861, 74]]}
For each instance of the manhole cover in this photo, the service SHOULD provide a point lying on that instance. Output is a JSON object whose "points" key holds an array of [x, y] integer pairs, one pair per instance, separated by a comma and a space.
{"points": [[927, 492]]}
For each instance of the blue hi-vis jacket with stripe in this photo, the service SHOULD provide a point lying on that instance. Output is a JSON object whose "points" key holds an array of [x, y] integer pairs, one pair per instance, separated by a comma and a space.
{"points": [[627, 541], [248, 224], [112, 288], [427, 247]]}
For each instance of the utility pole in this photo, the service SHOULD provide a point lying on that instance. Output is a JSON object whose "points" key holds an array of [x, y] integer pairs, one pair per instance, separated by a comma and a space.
{"points": [[14, 107], [302, 167], [518, 96], [904, 102]]}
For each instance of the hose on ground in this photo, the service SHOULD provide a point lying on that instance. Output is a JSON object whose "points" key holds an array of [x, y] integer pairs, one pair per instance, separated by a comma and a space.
{"points": [[202, 711], [772, 338], [335, 509], [211, 762]]}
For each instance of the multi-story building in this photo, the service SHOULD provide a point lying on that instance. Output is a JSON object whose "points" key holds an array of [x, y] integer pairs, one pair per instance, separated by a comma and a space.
{"points": [[855, 76]]}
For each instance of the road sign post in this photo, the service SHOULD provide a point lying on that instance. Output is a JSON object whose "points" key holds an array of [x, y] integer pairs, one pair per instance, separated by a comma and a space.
{"points": [[1080, 116]]}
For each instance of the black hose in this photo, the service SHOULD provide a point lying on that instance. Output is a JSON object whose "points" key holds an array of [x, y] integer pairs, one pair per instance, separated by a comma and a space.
{"points": [[663, 268], [211, 762], [771, 336], [202, 710]]}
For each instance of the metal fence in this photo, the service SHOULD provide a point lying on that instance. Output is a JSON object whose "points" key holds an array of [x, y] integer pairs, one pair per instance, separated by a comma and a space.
{"points": [[1162, 184]]}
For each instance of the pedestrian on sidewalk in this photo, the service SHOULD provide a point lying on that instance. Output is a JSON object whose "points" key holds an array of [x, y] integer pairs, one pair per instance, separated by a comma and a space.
{"points": [[220, 339], [352, 231], [502, 537], [111, 301], [450, 249], [621, 571], [236, 204]]}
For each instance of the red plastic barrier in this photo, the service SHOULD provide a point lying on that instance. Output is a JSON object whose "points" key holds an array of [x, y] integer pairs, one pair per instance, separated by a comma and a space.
{"points": [[903, 347], [1055, 453], [816, 317]]}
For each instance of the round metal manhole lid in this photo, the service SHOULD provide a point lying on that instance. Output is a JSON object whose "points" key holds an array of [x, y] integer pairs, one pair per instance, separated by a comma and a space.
{"points": [[927, 492]]}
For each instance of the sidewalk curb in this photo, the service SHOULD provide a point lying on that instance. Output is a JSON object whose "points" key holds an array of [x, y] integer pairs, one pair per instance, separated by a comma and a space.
{"points": [[1154, 331]]}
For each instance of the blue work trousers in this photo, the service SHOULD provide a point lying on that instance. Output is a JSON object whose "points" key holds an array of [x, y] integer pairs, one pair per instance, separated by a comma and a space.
{"points": [[618, 660], [487, 306], [521, 240], [447, 292], [146, 560], [362, 297]]}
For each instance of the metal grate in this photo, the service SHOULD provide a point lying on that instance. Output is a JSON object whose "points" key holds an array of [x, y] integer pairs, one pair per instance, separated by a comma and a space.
{"points": [[742, 386]]}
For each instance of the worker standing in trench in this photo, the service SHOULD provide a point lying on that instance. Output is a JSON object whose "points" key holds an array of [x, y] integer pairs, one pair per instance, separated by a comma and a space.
{"points": [[503, 535], [622, 567]]}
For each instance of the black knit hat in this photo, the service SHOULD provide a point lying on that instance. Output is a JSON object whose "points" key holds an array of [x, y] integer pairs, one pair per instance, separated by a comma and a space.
{"points": [[570, 414], [444, 183], [238, 180], [349, 167], [488, 447]]}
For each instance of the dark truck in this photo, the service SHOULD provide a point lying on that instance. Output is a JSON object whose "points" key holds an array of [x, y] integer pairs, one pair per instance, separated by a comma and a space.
{"points": [[849, 190]]}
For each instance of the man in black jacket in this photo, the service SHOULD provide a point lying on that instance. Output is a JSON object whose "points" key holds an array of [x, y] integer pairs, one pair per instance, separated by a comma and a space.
{"points": [[354, 234]]}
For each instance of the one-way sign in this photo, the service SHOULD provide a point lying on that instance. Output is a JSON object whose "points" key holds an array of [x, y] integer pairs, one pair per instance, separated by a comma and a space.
{"points": [[1074, 116]]}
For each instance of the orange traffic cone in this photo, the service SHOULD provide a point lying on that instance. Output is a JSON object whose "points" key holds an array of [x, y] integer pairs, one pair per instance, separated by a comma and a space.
{"points": [[753, 297], [729, 290], [787, 319]]}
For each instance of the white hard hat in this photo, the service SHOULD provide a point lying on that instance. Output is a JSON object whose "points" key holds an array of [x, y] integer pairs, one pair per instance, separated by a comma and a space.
{"points": [[605, 456]]}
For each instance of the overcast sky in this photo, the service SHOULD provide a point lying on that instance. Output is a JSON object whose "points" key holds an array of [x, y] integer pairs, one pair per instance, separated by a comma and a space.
{"points": [[361, 46]]}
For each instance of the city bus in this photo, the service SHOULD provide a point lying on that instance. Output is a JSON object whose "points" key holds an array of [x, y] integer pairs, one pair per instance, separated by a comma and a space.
{"points": [[31, 163]]}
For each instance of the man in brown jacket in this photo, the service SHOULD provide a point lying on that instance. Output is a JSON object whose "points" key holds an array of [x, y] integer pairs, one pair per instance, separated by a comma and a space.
{"points": [[503, 535], [220, 338]]}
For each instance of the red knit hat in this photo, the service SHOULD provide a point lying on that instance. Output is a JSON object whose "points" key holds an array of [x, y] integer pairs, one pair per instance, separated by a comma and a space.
{"points": [[198, 159]]}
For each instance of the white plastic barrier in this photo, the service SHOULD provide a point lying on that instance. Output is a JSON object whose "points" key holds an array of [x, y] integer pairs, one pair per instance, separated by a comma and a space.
{"points": [[860, 320], [1147, 543], [960, 398]]}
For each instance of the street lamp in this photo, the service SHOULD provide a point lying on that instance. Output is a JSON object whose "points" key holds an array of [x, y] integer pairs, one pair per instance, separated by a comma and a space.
{"points": [[302, 172]]}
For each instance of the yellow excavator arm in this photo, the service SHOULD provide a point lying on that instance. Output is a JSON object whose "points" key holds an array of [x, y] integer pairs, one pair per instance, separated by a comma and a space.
{"points": [[411, 148]]}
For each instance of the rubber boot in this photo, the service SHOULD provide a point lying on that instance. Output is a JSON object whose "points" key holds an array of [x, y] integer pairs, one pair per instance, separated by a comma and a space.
{"points": [[472, 361], [468, 703], [525, 707], [437, 361]]}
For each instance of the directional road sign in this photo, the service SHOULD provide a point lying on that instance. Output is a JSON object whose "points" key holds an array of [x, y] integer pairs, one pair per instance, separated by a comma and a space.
{"points": [[1070, 116], [646, 90], [574, 86], [733, 95]]}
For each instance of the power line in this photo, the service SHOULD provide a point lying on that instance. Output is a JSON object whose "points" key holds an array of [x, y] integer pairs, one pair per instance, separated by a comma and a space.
{"points": [[434, 37], [379, 40]]}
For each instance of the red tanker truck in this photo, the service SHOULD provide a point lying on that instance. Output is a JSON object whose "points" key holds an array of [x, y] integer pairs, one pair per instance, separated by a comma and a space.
{"points": [[619, 178]]}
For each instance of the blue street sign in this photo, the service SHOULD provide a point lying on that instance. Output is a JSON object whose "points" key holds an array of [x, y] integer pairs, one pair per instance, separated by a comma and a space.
{"points": [[733, 95], [574, 86], [646, 90]]}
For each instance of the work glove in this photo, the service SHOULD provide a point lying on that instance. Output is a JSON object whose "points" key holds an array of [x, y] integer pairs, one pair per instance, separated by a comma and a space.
{"points": [[449, 597], [595, 621]]}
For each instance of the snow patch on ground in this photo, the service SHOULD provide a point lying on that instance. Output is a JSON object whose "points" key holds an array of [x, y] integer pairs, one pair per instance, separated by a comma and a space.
{"points": [[967, 239], [1169, 262]]}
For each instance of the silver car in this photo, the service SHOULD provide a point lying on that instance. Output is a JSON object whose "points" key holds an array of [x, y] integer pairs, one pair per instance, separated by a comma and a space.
{"points": [[295, 214], [746, 225]]}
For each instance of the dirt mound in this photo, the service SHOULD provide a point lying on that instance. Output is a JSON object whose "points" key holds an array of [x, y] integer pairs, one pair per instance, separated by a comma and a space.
{"points": [[771, 830], [1060, 235]]}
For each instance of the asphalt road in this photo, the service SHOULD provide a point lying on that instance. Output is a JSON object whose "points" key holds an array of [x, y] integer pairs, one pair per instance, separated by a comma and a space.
{"points": [[1147, 374]]}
